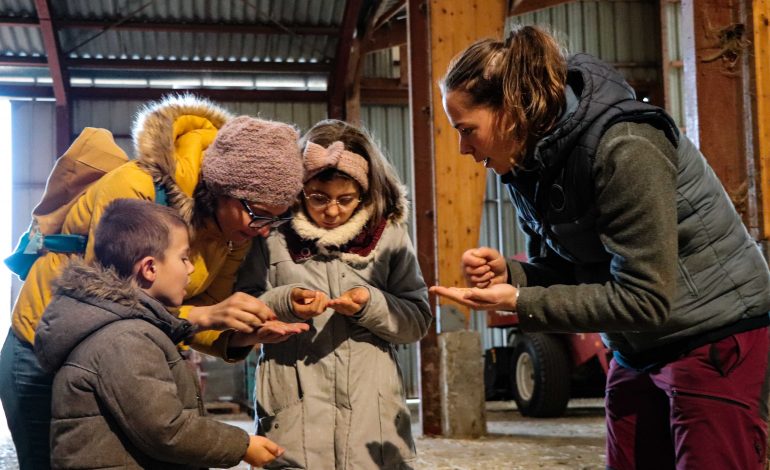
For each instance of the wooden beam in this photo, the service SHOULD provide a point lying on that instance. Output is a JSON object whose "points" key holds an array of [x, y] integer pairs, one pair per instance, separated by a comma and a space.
{"points": [[339, 81], [421, 123], [384, 91], [717, 76], [59, 74], [449, 188], [519, 7], [387, 15], [391, 35], [123, 93], [761, 43], [56, 66]]}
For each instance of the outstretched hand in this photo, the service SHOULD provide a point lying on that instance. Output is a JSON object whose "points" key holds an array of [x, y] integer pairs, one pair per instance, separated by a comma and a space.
{"points": [[272, 331], [350, 302], [241, 312], [308, 303], [484, 267], [496, 297]]}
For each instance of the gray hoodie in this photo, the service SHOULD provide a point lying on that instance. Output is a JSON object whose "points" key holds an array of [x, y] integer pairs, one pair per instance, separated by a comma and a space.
{"points": [[123, 397]]}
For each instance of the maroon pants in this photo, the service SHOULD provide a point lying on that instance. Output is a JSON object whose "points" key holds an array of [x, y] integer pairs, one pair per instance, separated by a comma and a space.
{"points": [[706, 410]]}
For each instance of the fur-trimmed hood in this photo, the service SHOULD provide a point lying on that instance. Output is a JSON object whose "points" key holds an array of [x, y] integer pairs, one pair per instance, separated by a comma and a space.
{"points": [[170, 137], [88, 298]]}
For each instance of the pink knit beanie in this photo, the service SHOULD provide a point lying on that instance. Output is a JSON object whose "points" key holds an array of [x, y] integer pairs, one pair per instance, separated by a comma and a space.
{"points": [[255, 160]]}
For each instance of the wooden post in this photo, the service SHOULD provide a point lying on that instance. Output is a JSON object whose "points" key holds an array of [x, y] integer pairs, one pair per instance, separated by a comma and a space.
{"points": [[716, 67], [449, 188], [761, 30]]}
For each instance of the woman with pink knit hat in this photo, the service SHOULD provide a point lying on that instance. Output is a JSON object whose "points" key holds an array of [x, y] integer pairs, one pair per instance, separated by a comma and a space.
{"points": [[333, 396], [231, 179]]}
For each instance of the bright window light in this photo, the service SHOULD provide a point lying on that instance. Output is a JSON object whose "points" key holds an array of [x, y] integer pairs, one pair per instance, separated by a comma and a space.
{"points": [[6, 244]]}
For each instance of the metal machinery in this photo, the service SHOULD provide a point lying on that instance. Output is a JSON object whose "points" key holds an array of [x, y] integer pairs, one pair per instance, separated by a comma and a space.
{"points": [[542, 371]]}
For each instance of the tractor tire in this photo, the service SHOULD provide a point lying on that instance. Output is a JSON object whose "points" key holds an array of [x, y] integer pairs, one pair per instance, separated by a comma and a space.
{"points": [[540, 375]]}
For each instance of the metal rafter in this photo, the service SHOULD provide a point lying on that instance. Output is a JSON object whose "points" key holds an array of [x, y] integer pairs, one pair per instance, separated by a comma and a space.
{"points": [[340, 75], [174, 65], [126, 93]]}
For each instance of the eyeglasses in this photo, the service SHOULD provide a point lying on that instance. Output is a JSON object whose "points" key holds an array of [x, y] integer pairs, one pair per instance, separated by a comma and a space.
{"points": [[322, 201], [259, 221]]}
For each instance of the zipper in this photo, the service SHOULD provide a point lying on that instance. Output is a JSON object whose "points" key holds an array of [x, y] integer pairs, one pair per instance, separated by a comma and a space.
{"points": [[710, 397]]}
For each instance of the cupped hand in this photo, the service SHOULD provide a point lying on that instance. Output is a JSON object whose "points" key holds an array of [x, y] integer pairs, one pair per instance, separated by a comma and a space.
{"points": [[496, 297], [241, 312], [261, 451], [484, 267], [272, 331], [350, 302], [308, 303]]}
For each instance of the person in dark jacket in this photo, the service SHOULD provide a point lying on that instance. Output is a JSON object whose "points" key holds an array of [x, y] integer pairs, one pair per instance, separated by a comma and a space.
{"points": [[123, 397], [629, 233]]}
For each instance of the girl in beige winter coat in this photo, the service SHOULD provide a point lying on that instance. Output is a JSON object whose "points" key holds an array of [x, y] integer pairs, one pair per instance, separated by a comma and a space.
{"points": [[333, 396]]}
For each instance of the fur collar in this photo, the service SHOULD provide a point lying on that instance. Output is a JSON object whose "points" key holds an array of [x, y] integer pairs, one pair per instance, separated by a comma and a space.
{"points": [[154, 142], [83, 281], [353, 242]]}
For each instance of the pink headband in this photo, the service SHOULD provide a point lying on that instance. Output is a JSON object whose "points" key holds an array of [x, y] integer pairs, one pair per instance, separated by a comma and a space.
{"points": [[318, 159]]}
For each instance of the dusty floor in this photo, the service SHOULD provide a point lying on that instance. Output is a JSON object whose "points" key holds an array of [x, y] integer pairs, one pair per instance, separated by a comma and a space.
{"points": [[575, 442]]}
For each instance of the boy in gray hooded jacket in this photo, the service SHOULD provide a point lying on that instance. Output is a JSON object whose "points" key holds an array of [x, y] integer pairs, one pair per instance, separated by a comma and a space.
{"points": [[123, 396]]}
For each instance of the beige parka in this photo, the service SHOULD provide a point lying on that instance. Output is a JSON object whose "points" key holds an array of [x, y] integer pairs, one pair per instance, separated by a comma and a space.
{"points": [[333, 396]]}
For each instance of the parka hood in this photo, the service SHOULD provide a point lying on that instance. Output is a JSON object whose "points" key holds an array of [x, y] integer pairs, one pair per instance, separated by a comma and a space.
{"points": [[88, 298], [170, 137]]}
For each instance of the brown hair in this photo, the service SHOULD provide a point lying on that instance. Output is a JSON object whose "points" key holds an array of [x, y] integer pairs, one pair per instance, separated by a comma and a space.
{"points": [[386, 193], [524, 77], [131, 229]]}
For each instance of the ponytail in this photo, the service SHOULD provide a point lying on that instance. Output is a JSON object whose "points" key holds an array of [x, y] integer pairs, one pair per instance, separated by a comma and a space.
{"points": [[524, 77]]}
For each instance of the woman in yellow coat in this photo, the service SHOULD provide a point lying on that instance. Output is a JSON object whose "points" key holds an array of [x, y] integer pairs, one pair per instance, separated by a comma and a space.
{"points": [[231, 178]]}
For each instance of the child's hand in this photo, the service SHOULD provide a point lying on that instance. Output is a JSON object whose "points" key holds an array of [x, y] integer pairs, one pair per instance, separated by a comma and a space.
{"points": [[308, 303], [261, 451], [351, 302], [273, 331]]}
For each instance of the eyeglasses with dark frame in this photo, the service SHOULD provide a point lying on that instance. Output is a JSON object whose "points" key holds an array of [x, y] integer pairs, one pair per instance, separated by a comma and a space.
{"points": [[259, 221]]}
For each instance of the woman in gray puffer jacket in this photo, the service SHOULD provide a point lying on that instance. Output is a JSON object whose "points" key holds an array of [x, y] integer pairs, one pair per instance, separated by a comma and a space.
{"points": [[630, 233]]}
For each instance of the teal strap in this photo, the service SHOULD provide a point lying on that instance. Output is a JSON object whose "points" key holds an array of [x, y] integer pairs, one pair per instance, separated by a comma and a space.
{"points": [[161, 197], [60, 243]]}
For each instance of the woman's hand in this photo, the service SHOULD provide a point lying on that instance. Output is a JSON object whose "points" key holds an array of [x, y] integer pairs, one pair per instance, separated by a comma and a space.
{"points": [[261, 451], [351, 302], [484, 267], [496, 297], [272, 331], [241, 312], [308, 303]]}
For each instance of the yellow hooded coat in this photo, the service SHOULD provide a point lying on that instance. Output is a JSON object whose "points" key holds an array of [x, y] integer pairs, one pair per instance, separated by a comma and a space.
{"points": [[170, 137]]}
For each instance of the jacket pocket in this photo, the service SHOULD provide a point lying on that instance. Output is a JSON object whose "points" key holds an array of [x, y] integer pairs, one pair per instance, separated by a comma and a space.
{"points": [[396, 445], [286, 428], [278, 386], [687, 278]]}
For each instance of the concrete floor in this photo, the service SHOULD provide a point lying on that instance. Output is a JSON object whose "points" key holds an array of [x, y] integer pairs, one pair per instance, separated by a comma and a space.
{"points": [[575, 441]]}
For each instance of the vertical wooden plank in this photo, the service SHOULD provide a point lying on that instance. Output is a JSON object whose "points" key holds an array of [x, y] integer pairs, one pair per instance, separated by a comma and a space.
{"points": [[447, 219], [420, 84], [454, 26], [761, 20], [719, 75]]}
